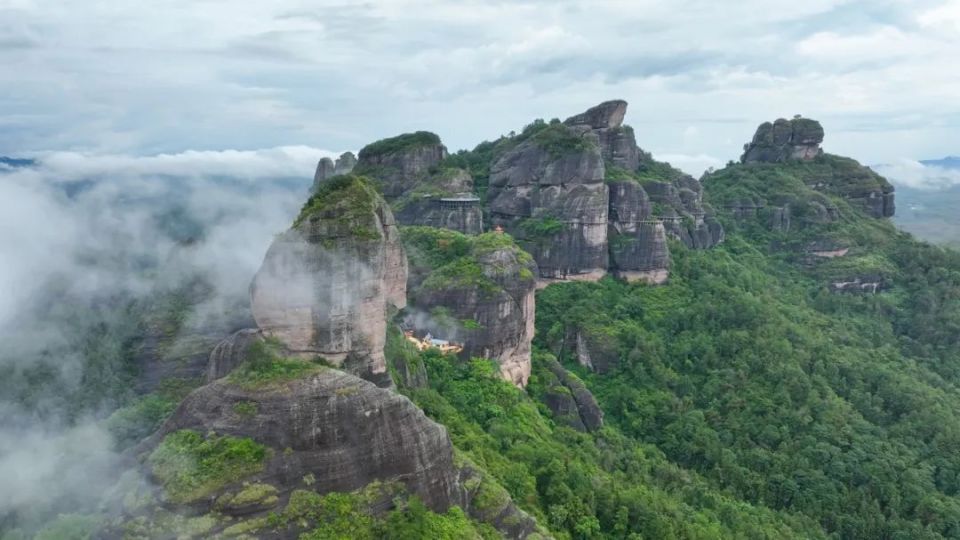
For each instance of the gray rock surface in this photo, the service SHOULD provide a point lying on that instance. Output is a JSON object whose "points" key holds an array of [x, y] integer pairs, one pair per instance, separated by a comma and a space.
{"points": [[445, 200], [325, 284], [230, 353], [570, 400], [552, 197], [343, 430], [638, 242], [784, 140], [398, 170], [500, 310]]}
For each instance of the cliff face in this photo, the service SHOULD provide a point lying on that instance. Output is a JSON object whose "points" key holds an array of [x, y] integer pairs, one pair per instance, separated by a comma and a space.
{"points": [[475, 291], [549, 193], [326, 283], [638, 241], [399, 163]]}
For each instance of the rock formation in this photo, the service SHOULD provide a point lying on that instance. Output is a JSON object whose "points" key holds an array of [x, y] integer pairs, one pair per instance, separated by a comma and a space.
{"points": [[638, 241], [325, 284], [784, 140], [399, 163], [327, 169], [569, 399], [485, 297], [344, 431], [550, 194]]}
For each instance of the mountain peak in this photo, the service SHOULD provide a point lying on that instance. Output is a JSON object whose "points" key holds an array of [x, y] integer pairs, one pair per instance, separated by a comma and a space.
{"points": [[608, 114], [784, 140]]}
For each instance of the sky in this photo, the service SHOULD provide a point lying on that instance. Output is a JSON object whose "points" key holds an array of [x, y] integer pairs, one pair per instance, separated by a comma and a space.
{"points": [[112, 77]]}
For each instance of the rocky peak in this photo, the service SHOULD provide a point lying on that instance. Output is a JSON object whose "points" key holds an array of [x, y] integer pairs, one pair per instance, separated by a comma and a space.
{"points": [[345, 163], [399, 163], [327, 168], [784, 140], [325, 284], [608, 114]]}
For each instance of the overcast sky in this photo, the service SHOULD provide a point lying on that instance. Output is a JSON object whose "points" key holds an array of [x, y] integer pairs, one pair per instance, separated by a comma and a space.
{"points": [[141, 78]]}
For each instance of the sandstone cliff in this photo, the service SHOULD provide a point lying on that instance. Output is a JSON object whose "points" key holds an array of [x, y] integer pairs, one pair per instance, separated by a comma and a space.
{"points": [[327, 168], [784, 140], [326, 284], [478, 291]]}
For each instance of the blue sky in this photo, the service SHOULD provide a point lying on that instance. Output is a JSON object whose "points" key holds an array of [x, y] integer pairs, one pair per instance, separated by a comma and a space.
{"points": [[167, 76]]}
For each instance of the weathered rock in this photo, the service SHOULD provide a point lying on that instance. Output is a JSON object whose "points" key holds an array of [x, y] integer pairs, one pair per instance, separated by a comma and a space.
{"points": [[784, 140], [679, 204], [342, 430], [596, 350], [638, 242], [325, 284], [399, 163], [550, 194], [608, 114], [490, 304], [325, 169], [231, 352], [444, 200], [570, 400], [345, 163], [617, 143]]}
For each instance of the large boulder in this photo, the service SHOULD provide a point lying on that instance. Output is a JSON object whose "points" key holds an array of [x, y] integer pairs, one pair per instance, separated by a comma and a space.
{"points": [[338, 430], [325, 285], [784, 140], [617, 142]]}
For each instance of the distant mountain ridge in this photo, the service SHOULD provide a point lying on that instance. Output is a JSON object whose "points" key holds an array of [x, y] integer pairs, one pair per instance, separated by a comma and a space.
{"points": [[949, 162]]}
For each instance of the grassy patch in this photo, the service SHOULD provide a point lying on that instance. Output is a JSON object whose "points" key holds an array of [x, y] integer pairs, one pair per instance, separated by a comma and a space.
{"points": [[191, 466], [399, 143], [265, 366], [349, 202]]}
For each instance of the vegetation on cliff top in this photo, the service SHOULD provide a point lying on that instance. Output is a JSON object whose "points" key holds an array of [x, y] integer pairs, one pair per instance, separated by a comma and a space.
{"points": [[191, 466], [399, 143], [455, 260], [349, 202], [265, 365]]}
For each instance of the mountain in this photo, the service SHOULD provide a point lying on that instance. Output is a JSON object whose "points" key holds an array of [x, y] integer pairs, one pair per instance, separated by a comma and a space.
{"points": [[554, 335], [949, 162]]}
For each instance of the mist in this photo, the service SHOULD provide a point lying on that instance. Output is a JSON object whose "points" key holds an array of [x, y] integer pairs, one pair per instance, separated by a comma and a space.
{"points": [[86, 237]]}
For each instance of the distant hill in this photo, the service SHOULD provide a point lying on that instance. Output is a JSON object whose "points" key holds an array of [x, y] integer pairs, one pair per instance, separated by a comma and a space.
{"points": [[931, 213], [16, 162], [949, 162]]}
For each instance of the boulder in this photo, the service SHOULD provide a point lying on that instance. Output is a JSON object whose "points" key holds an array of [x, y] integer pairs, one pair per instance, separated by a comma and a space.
{"points": [[342, 431], [325, 285], [784, 140]]}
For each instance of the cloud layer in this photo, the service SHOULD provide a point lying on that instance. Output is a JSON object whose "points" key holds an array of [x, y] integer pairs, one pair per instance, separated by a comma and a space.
{"points": [[83, 235], [164, 77]]}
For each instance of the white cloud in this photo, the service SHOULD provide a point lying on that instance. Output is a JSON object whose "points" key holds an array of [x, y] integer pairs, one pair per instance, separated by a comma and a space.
{"points": [[910, 173], [115, 77]]}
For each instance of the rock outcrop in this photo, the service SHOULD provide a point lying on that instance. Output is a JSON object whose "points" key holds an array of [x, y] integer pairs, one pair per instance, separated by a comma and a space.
{"points": [[483, 299], [569, 399], [638, 241], [784, 140], [798, 140], [326, 284], [399, 163], [340, 430], [444, 199], [549, 192], [585, 200], [327, 168]]}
